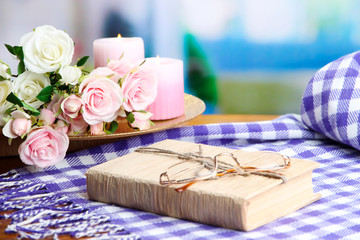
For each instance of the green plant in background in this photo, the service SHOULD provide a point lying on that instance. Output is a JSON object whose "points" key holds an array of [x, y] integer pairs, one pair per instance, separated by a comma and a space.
{"points": [[201, 76]]}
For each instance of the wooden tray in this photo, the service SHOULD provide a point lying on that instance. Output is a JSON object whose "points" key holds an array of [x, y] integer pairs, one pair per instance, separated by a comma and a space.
{"points": [[193, 108]]}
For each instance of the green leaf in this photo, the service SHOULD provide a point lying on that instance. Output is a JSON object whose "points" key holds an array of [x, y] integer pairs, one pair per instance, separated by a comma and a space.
{"points": [[21, 67], [10, 49], [112, 128], [82, 61], [19, 52], [152, 123], [130, 118], [54, 78], [63, 87], [58, 76], [34, 111], [14, 99], [45, 94], [8, 71], [9, 110]]}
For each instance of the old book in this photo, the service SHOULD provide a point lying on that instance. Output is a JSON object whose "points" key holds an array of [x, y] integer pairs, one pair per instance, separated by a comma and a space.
{"points": [[235, 202]]}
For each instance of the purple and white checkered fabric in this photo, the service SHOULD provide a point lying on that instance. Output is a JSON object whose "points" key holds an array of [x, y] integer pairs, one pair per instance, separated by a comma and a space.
{"points": [[331, 102], [335, 216]]}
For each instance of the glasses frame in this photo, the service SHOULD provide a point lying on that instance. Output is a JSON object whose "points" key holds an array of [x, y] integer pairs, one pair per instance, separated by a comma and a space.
{"points": [[165, 179], [225, 169]]}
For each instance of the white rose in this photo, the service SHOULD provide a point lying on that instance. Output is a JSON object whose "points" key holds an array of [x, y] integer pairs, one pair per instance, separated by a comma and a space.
{"points": [[5, 90], [4, 71], [70, 75], [46, 49], [28, 85]]}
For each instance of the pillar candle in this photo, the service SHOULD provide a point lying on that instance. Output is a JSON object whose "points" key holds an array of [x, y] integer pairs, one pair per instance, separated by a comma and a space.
{"points": [[169, 102], [106, 49]]}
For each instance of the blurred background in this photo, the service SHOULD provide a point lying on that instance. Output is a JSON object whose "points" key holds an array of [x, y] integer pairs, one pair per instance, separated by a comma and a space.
{"points": [[240, 56]]}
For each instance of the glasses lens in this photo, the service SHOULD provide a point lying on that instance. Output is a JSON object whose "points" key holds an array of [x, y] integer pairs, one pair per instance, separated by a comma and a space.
{"points": [[263, 160], [191, 170]]}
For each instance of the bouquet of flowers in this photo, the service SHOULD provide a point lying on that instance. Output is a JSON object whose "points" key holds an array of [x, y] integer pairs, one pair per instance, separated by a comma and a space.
{"points": [[49, 99]]}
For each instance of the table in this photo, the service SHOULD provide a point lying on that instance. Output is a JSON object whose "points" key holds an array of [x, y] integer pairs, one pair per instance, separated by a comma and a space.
{"points": [[8, 163]]}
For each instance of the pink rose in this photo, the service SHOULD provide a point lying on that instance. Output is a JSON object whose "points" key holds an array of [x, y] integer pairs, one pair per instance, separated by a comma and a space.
{"points": [[139, 89], [121, 67], [142, 120], [21, 126], [76, 125], [47, 117], [71, 105], [101, 98], [106, 72], [18, 125], [97, 129], [44, 147], [61, 126], [55, 103]]}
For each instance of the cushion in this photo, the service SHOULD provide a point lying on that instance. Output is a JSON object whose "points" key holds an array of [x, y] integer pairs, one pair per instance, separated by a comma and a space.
{"points": [[331, 101]]}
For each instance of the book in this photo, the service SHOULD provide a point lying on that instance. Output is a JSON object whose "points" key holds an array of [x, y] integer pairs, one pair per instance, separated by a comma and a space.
{"points": [[235, 202]]}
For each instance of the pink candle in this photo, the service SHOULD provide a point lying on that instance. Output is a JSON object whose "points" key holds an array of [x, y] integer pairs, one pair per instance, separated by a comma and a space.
{"points": [[106, 49], [169, 102]]}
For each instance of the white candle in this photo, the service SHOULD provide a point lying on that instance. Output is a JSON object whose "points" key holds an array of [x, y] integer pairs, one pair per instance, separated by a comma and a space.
{"points": [[106, 49], [169, 102]]}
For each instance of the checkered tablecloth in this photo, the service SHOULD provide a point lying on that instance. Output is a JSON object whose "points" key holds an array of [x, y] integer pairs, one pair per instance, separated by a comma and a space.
{"points": [[335, 216]]}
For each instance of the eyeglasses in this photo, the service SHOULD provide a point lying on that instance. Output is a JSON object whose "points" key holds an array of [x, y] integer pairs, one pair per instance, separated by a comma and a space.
{"points": [[194, 170], [197, 169]]}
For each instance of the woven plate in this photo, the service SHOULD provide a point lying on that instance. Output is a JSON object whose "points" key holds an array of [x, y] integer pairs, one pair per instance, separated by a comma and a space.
{"points": [[193, 108]]}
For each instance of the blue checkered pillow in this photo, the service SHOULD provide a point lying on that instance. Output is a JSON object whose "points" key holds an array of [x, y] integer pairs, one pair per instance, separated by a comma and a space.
{"points": [[331, 102]]}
